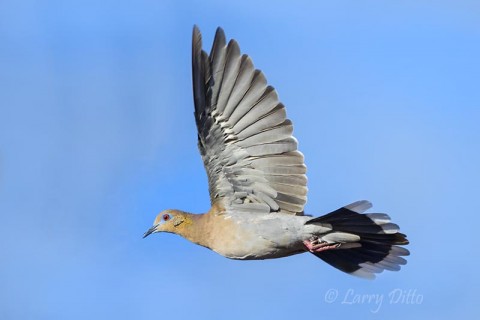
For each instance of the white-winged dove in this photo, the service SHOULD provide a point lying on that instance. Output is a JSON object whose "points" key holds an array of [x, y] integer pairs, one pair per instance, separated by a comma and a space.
{"points": [[257, 178]]}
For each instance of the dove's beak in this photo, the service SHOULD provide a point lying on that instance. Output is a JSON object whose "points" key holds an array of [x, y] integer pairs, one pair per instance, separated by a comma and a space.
{"points": [[150, 231]]}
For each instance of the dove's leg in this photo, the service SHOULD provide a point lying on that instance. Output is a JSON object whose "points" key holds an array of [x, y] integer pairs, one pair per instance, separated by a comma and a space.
{"points": [[315, 245]]}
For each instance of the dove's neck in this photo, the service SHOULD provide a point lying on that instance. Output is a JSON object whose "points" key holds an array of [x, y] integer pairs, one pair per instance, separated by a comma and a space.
{"points": [[194, 227], [203, 229]]}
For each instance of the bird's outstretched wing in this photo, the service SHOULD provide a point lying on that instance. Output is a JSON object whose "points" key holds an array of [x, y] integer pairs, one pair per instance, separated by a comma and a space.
{"points": [[244, 137]]}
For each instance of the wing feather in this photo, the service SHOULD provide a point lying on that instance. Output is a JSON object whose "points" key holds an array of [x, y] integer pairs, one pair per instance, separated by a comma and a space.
{"points": [[252, 96], [244, 136], [267, 102]]}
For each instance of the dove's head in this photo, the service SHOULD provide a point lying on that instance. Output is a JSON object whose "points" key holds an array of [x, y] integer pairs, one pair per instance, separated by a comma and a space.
{"points": [[169, 221]]}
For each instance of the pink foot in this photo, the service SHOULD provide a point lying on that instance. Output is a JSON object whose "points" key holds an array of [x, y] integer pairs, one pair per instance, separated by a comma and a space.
{"points": [[313, 245]]}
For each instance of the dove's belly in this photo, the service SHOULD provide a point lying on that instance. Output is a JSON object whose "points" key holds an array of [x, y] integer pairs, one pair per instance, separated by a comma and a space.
{"points": [[249, 237]]}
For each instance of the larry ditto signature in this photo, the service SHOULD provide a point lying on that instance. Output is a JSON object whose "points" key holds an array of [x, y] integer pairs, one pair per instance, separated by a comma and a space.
{"points": [[395, 296]]}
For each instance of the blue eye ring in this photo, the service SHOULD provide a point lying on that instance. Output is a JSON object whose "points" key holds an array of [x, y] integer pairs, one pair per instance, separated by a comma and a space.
{"points": [[166, 217]]}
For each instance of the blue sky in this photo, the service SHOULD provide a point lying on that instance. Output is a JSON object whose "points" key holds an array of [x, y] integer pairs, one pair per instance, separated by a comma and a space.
{"points": [[97, 136]]}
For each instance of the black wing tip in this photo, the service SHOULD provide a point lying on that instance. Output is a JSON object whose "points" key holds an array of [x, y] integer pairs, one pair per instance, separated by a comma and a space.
{"points": [[220, 35], [196, 29], [219, 32], [219, 40], [196, 39]]}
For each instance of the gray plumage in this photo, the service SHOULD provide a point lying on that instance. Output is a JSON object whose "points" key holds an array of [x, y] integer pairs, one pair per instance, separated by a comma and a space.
{"points": [[244, 136]]}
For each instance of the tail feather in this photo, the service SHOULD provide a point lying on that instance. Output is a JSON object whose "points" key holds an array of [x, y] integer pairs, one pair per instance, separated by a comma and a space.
{"points": [[377, 248]]}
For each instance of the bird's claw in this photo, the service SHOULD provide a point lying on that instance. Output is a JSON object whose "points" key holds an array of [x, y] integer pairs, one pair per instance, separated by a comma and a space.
{"points": [[314, 244]]}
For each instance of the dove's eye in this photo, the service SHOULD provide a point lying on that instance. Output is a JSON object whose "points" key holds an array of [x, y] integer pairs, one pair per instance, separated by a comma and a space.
{"points": [[166, 217]]}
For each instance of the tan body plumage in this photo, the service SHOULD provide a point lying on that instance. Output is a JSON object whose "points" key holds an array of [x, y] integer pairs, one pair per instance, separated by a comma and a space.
{"points": [[243, 237]]}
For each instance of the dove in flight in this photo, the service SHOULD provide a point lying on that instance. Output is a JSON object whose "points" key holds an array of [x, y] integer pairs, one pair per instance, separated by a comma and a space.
{"points": [[257, 178]]}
